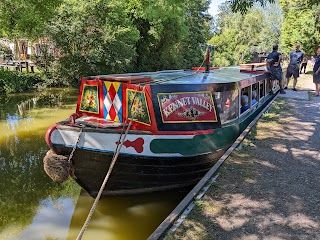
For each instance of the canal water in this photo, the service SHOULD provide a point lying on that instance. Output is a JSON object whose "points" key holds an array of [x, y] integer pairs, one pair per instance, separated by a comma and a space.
{"points": [[32, 207]]}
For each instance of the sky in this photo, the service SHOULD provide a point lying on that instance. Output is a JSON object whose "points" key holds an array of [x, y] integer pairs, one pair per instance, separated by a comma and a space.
{"points": [[213, 9]]}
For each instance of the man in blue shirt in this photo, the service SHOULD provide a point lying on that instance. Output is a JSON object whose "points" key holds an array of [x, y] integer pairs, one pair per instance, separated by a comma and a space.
{"points": [[296, 57]]}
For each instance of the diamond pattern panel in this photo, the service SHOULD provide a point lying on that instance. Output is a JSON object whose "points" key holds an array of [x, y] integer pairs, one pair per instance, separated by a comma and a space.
{"points": [[112, 101]]}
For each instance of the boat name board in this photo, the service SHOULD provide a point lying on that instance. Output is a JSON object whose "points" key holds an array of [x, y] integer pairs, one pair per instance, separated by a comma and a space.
{"points": [[187, 107]]}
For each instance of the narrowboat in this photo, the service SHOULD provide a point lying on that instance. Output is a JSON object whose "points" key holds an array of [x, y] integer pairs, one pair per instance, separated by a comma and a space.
{"points": [[167, 128]]}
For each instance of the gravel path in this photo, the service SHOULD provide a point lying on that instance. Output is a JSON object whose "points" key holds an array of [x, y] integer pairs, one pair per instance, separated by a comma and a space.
{"points": [[270, 189]]}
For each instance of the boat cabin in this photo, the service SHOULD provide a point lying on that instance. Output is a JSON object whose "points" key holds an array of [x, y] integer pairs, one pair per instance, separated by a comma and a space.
{"points": [[171, 101]]}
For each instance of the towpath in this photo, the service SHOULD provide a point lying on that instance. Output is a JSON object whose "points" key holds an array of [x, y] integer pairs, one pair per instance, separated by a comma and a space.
{"points": [[270, 189]]}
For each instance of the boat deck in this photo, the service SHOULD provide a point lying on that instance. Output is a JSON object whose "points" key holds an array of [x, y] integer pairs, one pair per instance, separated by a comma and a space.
{"points": [[221, 75]]}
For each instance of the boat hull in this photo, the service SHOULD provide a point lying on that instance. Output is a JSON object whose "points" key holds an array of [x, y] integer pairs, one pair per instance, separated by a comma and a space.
{"points": [[136, 175]]}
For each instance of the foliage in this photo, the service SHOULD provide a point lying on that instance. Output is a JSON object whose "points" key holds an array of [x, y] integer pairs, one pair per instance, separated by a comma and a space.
{"points": [[103, 37], [26, 19], [170, 33], [271, 31], [244, 5], [238, 36], [197, 23], [160, 28], [18, 81], [93, 39], [301, 25], [44, 62]]}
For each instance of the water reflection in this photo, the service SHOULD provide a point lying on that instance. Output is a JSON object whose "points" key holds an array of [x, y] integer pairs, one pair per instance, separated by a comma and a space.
{"points": [[27, 105], [122, 218], [24, 113], [51, 221], [21, 104], [23, 184], [32, 207]]}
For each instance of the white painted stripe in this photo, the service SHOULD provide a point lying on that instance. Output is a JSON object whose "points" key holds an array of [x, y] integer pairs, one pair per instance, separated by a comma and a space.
{"points": [[106, 142]]}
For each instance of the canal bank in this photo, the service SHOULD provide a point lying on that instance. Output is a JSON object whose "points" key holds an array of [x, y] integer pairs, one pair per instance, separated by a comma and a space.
{"points": [[268, 189]]}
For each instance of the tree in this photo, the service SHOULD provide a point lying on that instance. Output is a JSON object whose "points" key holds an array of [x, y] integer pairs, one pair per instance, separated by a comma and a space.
{"points": [[197, 22], [171, 33], [26, 19], [272, 24], [93, 37], [238, 36], [301, 25], [243, 5], [103, 37], [161, 26]]}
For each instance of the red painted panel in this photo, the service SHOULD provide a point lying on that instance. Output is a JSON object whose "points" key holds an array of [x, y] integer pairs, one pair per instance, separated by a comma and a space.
{"points": [[85, 83], [187, 107], [138, 125]]}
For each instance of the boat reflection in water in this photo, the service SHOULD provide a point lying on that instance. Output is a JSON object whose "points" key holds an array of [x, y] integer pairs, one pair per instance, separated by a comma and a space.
{"points": [[122, 218]]}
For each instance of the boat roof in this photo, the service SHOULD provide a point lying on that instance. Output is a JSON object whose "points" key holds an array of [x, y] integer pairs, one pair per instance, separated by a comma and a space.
{"points": [[217, 76]]}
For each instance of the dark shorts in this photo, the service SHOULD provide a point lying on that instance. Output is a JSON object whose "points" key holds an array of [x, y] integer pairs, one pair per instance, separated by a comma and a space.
{"points": [[316, 78], [293, 70], [275, 73]]}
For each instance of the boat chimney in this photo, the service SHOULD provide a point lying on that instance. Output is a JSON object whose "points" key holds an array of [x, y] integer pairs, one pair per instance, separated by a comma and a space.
{"points": [[208, 60]]}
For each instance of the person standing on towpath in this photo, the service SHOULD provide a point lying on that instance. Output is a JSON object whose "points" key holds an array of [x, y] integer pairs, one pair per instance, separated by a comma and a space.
{"points": [[296, 57], [274, 68], [316, 73]]}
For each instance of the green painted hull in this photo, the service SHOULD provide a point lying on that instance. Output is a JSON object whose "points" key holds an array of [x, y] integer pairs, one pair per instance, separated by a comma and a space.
{"points": [[221, 138]]}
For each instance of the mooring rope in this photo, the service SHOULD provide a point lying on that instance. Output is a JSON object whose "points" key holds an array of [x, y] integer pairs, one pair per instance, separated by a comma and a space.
{"points": [[75, 146], [114, 159]]}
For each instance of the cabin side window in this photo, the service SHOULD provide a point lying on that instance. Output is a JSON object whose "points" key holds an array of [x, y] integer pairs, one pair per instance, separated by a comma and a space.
{"points": [[255, 94], [245, 99], [227, 103], [262, 90], [268, 89]]}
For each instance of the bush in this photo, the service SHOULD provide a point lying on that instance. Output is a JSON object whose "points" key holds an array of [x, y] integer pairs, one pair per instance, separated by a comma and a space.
{"points": [[11, 82]]}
